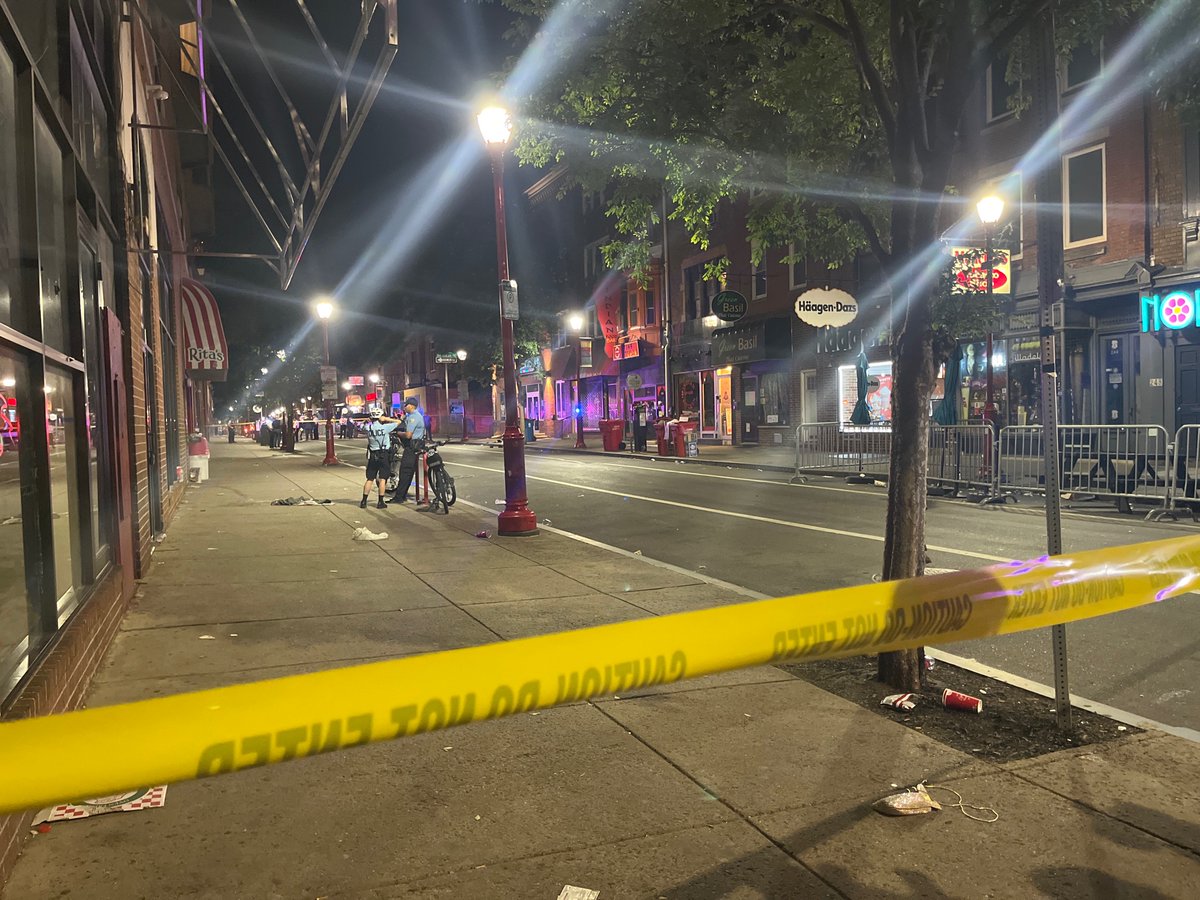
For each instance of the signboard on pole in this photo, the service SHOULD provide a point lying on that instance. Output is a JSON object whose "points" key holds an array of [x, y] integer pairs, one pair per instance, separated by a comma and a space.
{"points": [[970, 271], [729, 306], [824, 307], [329, 383], [508, 301], [357, 380], [445, 359]]}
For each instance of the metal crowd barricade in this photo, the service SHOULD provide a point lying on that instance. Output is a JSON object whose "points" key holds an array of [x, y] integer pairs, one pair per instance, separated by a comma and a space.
{"points": [[962, 458], [1125, 462], [1184, 490], [831, 448]]}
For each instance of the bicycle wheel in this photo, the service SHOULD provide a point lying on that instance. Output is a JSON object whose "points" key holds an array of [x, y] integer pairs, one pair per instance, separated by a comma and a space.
{"points": [[439, 491], [451, 493]]}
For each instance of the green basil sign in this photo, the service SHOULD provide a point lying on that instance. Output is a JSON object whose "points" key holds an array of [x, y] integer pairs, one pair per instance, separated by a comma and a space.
{"points": [[729, 306]]}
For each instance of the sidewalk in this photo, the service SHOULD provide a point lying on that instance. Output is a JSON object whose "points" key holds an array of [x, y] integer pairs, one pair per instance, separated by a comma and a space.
{"points": [[752, 784]]}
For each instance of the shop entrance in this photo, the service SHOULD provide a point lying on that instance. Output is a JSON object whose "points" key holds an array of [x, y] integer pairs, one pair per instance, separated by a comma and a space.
{"points": [[750, 411], [1116, 385], [1187, 386], [724, 408]]}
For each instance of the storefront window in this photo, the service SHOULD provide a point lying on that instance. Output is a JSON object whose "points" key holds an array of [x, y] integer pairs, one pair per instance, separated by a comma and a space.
{"points": [[878, 395], [775, 398], [8, 189], [51, 235], [64, 496], [14, 606], [89, 295]]}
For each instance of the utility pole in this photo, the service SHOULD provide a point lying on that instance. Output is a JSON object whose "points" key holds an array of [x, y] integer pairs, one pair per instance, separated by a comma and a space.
{"points": [[1048, 200]]}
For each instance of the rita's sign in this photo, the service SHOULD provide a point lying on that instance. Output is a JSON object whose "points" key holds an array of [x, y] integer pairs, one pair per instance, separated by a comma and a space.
{"points": [[1175, 310]]}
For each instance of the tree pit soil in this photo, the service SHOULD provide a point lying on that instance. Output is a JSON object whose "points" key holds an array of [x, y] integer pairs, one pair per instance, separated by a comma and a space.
{"points": [[1015, 724]]}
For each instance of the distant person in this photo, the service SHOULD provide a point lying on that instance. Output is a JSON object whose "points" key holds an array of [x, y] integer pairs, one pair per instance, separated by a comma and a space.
{"points": [[379, 462], [412, 435], [232, 432], [641, 422]]}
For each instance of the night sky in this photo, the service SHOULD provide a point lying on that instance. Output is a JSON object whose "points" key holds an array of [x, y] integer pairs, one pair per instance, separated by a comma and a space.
{"points": [[408, 236]]}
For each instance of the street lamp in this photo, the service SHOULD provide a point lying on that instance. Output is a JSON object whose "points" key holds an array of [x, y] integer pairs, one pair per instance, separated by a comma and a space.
{"points": [[324, 313], [518, 519], [990, 209], [576, 323]]}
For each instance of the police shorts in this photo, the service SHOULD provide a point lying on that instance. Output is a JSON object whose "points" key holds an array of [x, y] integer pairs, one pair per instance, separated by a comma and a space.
{"points": [[379, 465]]}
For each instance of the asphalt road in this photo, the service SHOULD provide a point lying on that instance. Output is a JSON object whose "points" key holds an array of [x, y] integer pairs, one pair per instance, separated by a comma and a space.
{"points": [[754, 529]]}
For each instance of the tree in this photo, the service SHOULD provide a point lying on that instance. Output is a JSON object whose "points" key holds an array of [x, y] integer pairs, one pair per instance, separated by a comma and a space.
{"points": [[836, 119]]}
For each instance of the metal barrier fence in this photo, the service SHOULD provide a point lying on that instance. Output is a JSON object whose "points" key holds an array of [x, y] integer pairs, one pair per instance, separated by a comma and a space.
{"points": [[1125, 462], [962, 457], [1185, 472], [835, 449]]}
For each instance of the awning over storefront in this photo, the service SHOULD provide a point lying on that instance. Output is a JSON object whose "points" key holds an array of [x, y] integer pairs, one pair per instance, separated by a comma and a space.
{"points": [[205, 353], [752, 341]]}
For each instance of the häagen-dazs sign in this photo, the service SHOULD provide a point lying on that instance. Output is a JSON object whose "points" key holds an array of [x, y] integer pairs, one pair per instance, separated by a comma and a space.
{"points": [[823, 306]]}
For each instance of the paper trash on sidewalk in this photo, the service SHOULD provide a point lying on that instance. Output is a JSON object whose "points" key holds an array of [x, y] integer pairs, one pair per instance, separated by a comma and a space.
{"points": [[365, 534], [570, 892], [129, 801], [911, 802]]}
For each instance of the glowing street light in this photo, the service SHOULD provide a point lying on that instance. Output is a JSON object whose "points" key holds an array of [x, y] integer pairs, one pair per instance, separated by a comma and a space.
{"points": [[990, 209], [517, 519], [324, 310]]}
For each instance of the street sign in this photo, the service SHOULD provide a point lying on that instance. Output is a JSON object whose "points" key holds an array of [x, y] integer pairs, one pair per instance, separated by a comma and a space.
{"points": [[445, 359], [357, 380], [329, 383], [729, 306], [508, 301], [634, 381]]}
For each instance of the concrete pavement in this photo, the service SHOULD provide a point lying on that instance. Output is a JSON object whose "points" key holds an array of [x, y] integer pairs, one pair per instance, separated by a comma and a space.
{"points": [[748, 785]]}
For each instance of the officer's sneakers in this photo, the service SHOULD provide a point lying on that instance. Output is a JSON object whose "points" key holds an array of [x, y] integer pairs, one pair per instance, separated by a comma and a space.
{"points": [[381, 504], [363, 504]]}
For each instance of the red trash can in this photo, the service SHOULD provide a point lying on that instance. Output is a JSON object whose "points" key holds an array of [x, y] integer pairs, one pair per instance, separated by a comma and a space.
{"points": [[611, 431], [684, 434], [664, 446]]}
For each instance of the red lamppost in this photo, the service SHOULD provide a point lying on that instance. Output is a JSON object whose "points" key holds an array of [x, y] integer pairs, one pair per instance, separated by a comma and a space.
{"points": [[990, 209], [517, 519], [324, 311]]}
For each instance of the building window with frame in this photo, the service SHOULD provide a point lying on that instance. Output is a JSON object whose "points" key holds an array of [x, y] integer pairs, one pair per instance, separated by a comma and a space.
{"points": [[758, 275], [650, 319], [1085, 63], [775, 397], [699, 291], [797, 269], [634, 319], [1084, 215], [997, 91]]}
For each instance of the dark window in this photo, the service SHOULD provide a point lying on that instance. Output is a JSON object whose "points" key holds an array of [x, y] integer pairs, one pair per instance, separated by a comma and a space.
{"points": [[760, 280], [1085, 64], [635, 312], [1084, 197], [999, 91], [650, 306]]}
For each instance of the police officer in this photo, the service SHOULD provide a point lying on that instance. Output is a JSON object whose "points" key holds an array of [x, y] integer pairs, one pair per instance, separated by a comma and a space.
{"points": [[412, 435], [379, 463]]}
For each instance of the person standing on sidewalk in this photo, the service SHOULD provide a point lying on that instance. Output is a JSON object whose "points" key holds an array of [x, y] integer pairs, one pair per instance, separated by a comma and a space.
{"points": [[379, 464], [413, 432]]}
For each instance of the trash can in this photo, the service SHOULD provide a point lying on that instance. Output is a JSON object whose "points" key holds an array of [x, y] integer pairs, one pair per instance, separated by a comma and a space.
{"points": [[611, 432], [664, 446], [529, 438], [687, 436]]}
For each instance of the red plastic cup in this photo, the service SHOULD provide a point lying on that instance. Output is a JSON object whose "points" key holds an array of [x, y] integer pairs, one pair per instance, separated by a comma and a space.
{"points": [[964, 702]]}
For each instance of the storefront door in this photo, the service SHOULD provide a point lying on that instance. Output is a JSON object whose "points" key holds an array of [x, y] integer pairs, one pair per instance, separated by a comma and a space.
{"points": [[1116, 383], [1187, 385], [750, 409]]}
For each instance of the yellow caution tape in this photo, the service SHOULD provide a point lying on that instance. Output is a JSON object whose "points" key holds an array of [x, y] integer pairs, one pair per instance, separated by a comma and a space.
{"points": [[109, 749]]}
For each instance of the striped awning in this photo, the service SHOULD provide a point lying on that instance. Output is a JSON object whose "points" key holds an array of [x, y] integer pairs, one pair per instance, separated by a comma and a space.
{"points": [[206, 355]]}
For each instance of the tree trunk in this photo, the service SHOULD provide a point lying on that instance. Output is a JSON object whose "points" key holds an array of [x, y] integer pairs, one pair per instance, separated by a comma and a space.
{"points": [[288, 444], [912, 385]]}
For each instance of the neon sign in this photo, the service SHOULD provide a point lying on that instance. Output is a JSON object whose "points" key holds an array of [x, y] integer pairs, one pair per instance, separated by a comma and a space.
{"points": [[1175, 310]]}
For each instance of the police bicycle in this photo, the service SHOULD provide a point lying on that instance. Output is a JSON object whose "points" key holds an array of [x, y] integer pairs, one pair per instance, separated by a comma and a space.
{"points": [[440, 482]]}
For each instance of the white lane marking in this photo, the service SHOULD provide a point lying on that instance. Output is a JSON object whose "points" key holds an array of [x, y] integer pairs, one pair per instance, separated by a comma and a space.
{"points": [[678, 570], [737, 515], [677, 470]]}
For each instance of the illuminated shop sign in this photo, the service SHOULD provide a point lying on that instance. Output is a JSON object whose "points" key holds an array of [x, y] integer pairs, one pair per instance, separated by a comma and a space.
{"points": [[1174, 310]]}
